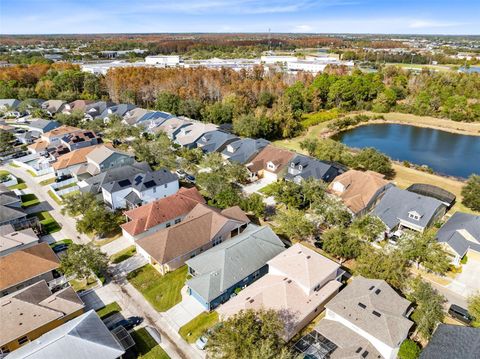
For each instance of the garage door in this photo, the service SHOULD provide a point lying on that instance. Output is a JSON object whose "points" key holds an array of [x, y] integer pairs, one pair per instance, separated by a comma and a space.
{"points": [[473, 255]]}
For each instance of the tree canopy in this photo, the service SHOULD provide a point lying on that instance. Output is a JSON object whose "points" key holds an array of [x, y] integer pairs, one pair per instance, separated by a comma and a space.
{"points": [[471, 193], [83, 260]]}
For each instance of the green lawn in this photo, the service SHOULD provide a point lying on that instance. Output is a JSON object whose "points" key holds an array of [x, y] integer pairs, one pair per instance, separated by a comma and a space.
{"points": [[67, 186], [47, 181], [163, 292], [195, 328], [146, 346], [49, 224], [55, 198], [13, 165], [123, 254], [109, 310], [83, 284], [29, 200], [20, 185], [66, 241], [4, 173], [31, 173]]}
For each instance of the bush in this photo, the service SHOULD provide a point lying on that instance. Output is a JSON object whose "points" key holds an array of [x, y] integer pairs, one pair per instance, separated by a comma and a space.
{"points": [[313, 119], [464, 259], [409, 350]]}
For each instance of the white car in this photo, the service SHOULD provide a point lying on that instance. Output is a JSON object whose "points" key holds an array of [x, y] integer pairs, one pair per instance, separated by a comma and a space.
{"points": [[201, 342]]}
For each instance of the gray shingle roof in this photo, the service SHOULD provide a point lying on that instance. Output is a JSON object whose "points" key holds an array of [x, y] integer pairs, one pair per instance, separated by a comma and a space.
{"points": [[10, 102], [120, 110], [311, 168], [140, 181], [453, 341], [83, 337], [44, 125], [451, 232], [373, 306], [214, 140], [229, 262], [244, 149], [396, 204]]}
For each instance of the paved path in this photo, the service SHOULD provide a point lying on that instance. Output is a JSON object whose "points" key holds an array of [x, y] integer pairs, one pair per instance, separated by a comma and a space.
{"points": [[184, 311], [67, 223], [116, 246]]}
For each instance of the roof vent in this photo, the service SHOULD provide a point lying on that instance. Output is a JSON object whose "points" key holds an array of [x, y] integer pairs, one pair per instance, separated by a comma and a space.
{"points": [[371, 287], [289, 281], [308, 257], [358, 350], [365, 354], [377, 292], [361, 305], [251, 301], [376, 313]]}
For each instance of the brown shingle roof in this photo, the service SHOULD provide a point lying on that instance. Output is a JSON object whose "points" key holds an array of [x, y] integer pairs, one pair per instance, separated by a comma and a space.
{"points": [[199, 227], [360, 187], [271, 154], [60, 131], [75, 157], [25, 264], [162, 210]]}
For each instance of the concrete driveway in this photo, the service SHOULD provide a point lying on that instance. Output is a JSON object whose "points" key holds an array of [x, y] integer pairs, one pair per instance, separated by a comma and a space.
{"points": [[256, 186], [467, 282], [184, 311]]}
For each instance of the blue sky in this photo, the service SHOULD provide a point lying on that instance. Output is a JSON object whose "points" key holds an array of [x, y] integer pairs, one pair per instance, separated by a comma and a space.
{"points": [[312, 16]]}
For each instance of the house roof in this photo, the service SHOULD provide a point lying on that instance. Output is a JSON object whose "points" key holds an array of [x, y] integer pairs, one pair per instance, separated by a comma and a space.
{"points": [[285, 294], [359, 188], [119, 110], [189, 134], [132, 116], [100, 154], [38, 145], [163, 210], [396, 204], [461, 232], [79, 104], [10, 238], [85, 336], [171, 125], [10, 102], [26, 263], [74, 157], [373, 306], [61, 131], [453, 341], [275, 155], [8, 214], [141, 181], [53, 106], [80, 136], [42, 124], [243, 150], [34, 307], [313, 168], [198, 228], [213, 141], [228, 263]]}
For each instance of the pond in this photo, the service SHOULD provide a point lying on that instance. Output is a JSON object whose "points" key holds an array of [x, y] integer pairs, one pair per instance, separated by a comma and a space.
{"points": [[446, 153]]}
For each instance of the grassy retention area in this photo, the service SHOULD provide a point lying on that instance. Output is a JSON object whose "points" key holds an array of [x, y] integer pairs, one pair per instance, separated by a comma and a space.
{"points": [[109, 310], [49, 224], [123, 254], [146, 346], [195, 328], [163, 292], [29, 200]]}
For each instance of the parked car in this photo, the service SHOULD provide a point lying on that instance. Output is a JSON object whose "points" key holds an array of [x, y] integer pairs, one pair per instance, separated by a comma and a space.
{"points": [[60, 247], [63, 178], [190, 178], [201, 342], [128, 324], [181, 174], [460, 313]]}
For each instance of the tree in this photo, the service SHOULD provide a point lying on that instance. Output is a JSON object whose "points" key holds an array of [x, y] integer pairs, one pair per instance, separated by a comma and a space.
{"points": [[214, 161], [253, 125], [328, 150], [253, 204], [228, 197], [373, 160], [6, 139], [78, 203], [332, 212], [248, 334], [409, 350], [429, 311], [285, 192], [157, 152], [168, 102], [474, 308], [471, 193], [424, 250], [367, 228], [83, 260], [313, 191], [293, 224], [218, 113], [338, 242], [377, 264], [236, 172]]}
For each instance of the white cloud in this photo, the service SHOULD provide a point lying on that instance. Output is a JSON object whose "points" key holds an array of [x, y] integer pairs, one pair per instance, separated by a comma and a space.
{"points": [[422, 24]]}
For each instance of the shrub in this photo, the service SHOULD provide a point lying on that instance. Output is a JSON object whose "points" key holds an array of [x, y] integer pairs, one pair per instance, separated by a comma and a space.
{"points": [[409, 350]]}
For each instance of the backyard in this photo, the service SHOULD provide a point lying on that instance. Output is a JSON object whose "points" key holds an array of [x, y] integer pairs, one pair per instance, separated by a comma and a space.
{"points": [[146, 346], [194, 329], [109, 310], [29, 200], [123, 254], [163, 292], [49, 224]]}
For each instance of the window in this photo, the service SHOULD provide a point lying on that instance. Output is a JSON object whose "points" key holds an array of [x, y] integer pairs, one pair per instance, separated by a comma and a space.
{"points": [[178, 220], [217, 241], [256, 274], [166, 184], [168, 224], [23, 340], [154, 189]]}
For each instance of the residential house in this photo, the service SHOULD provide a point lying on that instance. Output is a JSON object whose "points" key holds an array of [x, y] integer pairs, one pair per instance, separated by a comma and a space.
{"points": [[53, 106], [80, 139], [359, 190], [304, 167], [400, 209], [162, 213], [135, 190], [40, 126], [77, 106], [26, 266], [172, 126], [203, 228], [243, 150], [215, 141], [33, 311], [52, 138], [31, 104], [460, 236], [96, 109], [117, 110], [453, 341], [153, 119], [231, 266], [189, 135], [69, 162], [94, 184], [101, 159], [366, 319], [11, 211], [132, 116], [270, 163], [85, 336], [12, 240], [299, 283], [9, 104]]}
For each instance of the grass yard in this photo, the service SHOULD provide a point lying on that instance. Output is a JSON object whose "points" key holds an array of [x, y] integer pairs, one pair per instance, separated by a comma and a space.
{"points": [[123, 254], [29, 200], [195, 328], [163, 292], [63, 241], [31, 173], [146, 346], [83, 284], [11, 164], [4, 173], [20, 185], [50, 225], [47, 181], [109, 310], [55, 198], [109, 238]]}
